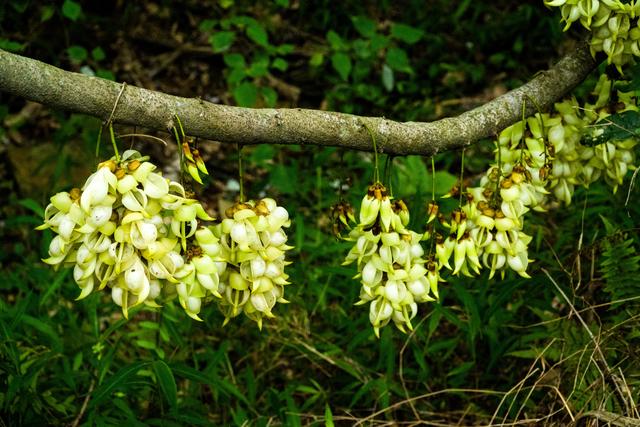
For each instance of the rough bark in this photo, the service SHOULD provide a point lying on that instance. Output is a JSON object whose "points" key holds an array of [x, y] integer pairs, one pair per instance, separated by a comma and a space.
{"points": [[46, 84]]}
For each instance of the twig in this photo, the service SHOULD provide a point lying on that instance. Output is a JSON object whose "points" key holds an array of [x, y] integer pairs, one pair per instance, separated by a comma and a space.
{"points": [[115, 105], [85, 403], [142, 135]]}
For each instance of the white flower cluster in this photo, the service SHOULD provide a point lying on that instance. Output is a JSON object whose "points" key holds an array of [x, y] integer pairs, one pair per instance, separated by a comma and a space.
{"points": [[390, 262], [137, 233], [128, 228], [614, 26], [535, 158], [254, 244]]}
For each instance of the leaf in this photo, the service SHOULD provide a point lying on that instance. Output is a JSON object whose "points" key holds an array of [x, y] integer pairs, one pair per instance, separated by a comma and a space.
{"points": [[222, 40], [98, 54], [616, 127], [365, 26], [335, 41], [406, 33], [167, 382], [258, 35], [328, 416], [234, 60], [316, 59], [269, 95], [387, 78], [45, 329], [342, 64], [77, 54], [33, 206], [246, 94], [71, 9], [117, 380], [11, 46], [398, 60], [106, 74], [280, 64], [59, 279]]}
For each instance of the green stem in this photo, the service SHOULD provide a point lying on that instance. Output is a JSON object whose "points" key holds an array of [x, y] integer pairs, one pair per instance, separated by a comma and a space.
{"points": [[461, 178], [433, 180], [376, 172], [182, 134], [387, 173], [98, 141], [113, 142], [240, 173], [495, 195]]}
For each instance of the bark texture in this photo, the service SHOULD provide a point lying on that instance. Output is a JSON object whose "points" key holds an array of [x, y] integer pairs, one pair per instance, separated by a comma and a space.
{"points": [[46, 84]]}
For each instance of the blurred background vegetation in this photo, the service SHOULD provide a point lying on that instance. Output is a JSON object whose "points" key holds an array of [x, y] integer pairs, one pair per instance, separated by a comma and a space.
{"points": [[503, 352]]}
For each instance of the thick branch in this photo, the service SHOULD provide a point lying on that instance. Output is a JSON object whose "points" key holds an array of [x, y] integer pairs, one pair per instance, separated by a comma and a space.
{"points": [[43, 83]]}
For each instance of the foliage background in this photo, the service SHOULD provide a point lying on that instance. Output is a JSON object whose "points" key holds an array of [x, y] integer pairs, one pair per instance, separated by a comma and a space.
{"points": [[488, 352]]}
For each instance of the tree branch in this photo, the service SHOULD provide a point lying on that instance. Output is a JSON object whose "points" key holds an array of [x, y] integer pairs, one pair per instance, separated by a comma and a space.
{"points": [[46, 84]]}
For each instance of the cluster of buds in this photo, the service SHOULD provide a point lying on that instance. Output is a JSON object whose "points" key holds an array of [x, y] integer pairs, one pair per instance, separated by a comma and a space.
{"points": [[254, 244], [389, 257], [129, 229], [613, 24]]}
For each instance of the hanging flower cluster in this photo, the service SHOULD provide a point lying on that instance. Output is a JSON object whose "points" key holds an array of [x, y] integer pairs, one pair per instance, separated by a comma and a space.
{"points": [[254, 244], [139, 234], [539, 162], [390, 262], [613, 24], [127, 228], [537, 158]]}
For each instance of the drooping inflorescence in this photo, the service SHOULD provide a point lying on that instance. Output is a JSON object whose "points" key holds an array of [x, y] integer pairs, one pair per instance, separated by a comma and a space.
{"points": [[539, 162], [143, 237], [254, 245], [613, 24], [390, 262]]}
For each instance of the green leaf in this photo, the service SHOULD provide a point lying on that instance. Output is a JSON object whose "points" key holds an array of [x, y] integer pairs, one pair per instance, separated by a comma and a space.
{"points": [[33, 206], [259, 66], [406, 33], [11, 46], [258, 35], [335, 41], [234, 60], [20, 6], [280, 64], [98, 54], [246, 94], [387, 78], [106, 74], [316, 59], [167, 382], [616, 127], [71, 9], [236, 76], [365, 26], [398, 60], [47, 330], [342, 64], [119, 379], [77, 54], [46, 13], [59, 279], [328, 416], [222, 40], [207, 25], [269, 95]]}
